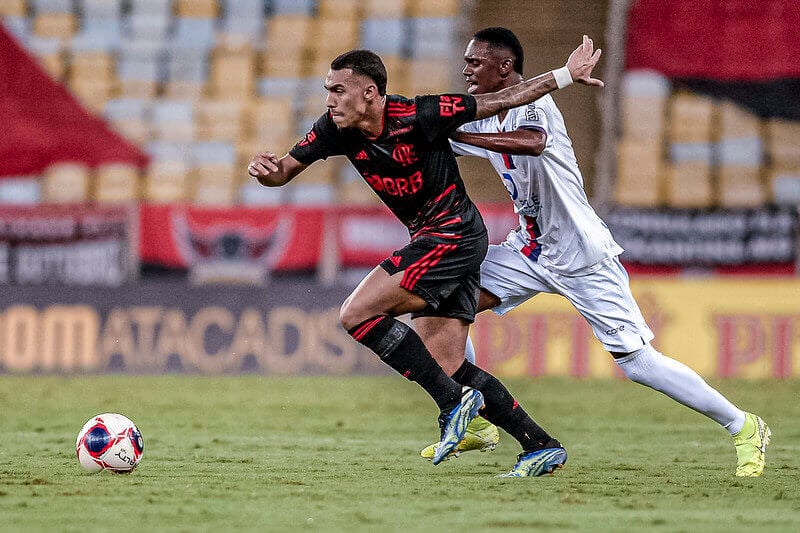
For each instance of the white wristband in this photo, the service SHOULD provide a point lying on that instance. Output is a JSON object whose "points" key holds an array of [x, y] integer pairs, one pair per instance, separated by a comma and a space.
{"points": [[563, 77]]}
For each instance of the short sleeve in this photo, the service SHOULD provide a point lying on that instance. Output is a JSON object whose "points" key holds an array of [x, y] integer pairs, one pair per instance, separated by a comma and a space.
{"points": [[467, 149], [439, 115], [319, 143], [533, 117]]}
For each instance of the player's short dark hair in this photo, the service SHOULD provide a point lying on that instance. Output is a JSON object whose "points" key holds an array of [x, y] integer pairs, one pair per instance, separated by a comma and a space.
{"points": [[503, 38], [364, 62]]}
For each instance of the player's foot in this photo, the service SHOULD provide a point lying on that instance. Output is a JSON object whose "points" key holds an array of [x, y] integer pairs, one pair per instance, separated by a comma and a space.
{"points": [[481, 435], [751, 446], [454, 424], [538, 463]]}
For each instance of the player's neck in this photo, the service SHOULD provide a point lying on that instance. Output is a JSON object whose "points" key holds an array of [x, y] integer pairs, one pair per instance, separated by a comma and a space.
{"points": [[372, 123]]}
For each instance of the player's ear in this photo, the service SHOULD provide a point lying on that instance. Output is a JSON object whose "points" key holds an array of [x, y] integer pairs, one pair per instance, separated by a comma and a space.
{"points": [[370, 92], [506, 66]]}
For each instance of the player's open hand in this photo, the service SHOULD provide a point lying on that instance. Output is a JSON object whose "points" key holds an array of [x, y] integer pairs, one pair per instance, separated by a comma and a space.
{"points": [[582, 61], [263, 165]]}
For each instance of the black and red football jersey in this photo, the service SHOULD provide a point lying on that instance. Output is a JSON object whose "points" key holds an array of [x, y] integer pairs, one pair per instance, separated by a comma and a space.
{"points": [[410, 165]]}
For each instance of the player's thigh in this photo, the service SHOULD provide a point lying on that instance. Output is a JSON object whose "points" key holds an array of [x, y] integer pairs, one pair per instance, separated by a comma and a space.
{"points": [[605, 300], [378, 293], [511, 277], [445, 338]]}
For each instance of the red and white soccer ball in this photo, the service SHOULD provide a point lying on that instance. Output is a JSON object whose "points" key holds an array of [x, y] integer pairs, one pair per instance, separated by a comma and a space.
{"points": [[109, 442]]}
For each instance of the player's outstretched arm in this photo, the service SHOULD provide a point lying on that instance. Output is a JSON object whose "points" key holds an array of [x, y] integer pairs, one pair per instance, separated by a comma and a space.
{"points": [[515, 142], [273, 172], [578, 69]]}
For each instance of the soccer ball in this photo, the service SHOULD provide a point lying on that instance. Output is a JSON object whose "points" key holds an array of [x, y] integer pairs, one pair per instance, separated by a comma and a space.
{"points": [[109, 442]]}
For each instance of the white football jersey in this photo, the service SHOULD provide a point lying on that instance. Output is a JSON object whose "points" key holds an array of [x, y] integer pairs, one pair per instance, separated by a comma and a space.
{"points": [[558, 228]]}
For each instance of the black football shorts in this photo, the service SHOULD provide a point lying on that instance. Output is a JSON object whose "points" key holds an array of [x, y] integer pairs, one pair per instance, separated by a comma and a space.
{"points": [[445, 273]]}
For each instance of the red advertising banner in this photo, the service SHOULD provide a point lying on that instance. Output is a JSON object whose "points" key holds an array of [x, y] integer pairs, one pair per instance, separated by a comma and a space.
{"points": [[279, 238], [224, 243]]}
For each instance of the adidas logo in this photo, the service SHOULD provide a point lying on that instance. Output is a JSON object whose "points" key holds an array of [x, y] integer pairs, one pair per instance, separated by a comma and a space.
{"points": [[362, 155], [395, 259]]}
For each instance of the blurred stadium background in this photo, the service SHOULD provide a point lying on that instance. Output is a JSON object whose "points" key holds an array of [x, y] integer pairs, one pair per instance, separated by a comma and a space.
{"points": [[133, 240]]}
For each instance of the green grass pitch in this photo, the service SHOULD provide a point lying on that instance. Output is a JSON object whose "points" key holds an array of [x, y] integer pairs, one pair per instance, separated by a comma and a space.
{"points": [[250, 453]]}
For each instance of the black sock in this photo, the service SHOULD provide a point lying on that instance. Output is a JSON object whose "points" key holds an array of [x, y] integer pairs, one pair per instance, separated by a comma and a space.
{"points": [[502, 410], [400, 347]]}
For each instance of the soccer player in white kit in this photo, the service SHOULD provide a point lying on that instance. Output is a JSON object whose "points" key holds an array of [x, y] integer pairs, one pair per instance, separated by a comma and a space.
{"points": [[561, 246]]}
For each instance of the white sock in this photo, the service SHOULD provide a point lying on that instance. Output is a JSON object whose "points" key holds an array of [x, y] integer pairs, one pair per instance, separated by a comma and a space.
{"points": [[650, 368], [469, 351]]}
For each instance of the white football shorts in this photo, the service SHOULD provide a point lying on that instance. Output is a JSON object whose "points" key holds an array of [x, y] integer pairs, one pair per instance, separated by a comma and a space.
{"points": [[603, 297]]}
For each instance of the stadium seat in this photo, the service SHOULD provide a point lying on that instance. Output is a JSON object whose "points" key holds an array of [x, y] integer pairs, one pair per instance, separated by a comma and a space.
{"points": [[384, 9], [783, 143], [315, 186], [100, 9], [214, 184], [20, 190], [232, 73], [339, 9], [639, 174], [689, 185], [270, 121], [173, 120], [385, 36], [92, 93], [433, 37], [193, 33], [66, 183], [219, 120], [397, 70], [244, 9], [333, 37], [287, 33], [293, 7], [204, 9], [52, 6], [643, 117], [19, 27], [166, 181], [91, 66], [116, 183], [59, 26], [439, 8], [148, 28], [740, 186], [13, 8], [151, 7], [691, 118], [427, 76]]}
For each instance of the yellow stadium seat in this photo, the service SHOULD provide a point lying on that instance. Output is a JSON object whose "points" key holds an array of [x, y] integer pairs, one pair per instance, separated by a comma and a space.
{"points": [[689, 185], [639, 174], [12, 8], [117, 183], [737, 122], [134, 129], [219, 119], [94, 65], [339, 9], [333, 37], [139, 89], [233, 73], [427, 76], [204, 9], [384, 9], [438, 8], [269, 119], [285, 64], [215, 184], [166, 182], [397, 72], [184, 90], [55, 25], [783, 143], [93, 94], [741, 186], [691, 118], [66, 183], [286, 33]]}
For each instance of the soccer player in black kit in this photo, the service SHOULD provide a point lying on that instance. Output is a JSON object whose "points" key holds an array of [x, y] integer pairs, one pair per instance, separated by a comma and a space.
{"points": [[400, 147]]}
